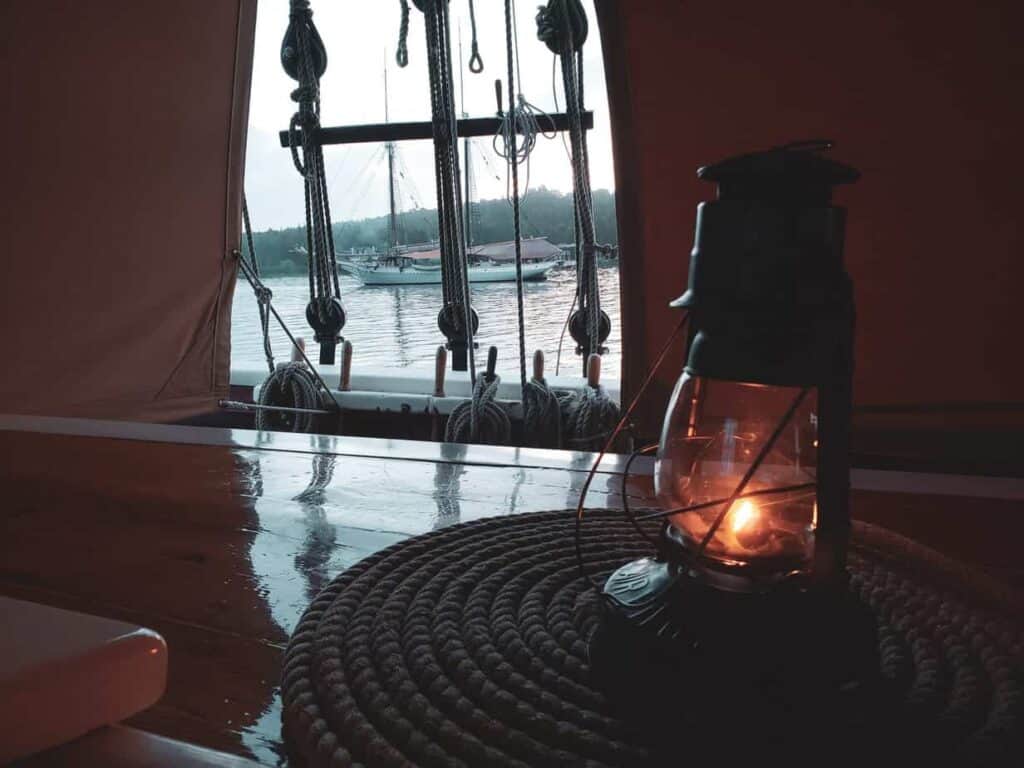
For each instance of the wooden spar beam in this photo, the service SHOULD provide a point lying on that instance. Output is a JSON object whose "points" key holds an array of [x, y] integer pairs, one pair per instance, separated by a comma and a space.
{"points": [[467, 127]]}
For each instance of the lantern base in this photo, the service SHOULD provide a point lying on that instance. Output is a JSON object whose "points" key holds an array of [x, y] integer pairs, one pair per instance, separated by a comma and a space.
{"points": [[671, 649]]}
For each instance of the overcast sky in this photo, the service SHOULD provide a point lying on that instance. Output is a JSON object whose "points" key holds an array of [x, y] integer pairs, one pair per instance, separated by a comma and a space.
{"points": [[360, 36]]}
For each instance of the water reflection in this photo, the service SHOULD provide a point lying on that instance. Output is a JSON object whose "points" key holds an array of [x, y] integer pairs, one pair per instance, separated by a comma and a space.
{"points": [[401, 335], [396, 326], [321, 536], [582, 463], [447, 485], [258, 724]]}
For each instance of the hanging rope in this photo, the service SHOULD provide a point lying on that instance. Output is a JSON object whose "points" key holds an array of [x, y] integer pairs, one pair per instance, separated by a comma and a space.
{"points": [[562, 26], [304, 59], [541, 414], [457, 320], [480, 419], [521, 118], [512, 159], [402, 50], [476, 64]]}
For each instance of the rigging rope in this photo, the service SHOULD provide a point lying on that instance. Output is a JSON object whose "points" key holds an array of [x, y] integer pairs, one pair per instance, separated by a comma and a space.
{"points": [[304, 59], [541, 414], [521, 119], [263, 294], [457, 320], [562, 26], [512, 158]]}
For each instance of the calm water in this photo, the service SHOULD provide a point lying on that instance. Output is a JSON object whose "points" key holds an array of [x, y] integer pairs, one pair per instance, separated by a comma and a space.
{"points": [[396, 326]]}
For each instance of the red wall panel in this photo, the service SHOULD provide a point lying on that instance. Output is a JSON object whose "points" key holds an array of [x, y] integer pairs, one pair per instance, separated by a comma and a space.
{"points": [[923, 98]]}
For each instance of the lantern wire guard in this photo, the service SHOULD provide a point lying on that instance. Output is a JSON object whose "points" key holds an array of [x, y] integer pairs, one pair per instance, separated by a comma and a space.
{"points": [[727, 503], [612, 437]]}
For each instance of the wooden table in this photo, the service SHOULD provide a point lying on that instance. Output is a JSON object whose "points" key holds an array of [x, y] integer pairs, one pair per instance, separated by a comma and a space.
{"points": [[218, 539]]}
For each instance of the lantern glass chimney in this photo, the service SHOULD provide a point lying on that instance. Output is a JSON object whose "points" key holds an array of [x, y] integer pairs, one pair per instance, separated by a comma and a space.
{"points": [[714, 433]]}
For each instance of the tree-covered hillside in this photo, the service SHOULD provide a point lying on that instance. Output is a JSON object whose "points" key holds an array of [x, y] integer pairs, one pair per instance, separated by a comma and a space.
{"points": [[545, 213]]}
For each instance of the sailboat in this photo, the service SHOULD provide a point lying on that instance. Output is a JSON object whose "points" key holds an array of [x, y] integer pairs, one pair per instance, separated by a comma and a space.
{"points": [[420, 265]]}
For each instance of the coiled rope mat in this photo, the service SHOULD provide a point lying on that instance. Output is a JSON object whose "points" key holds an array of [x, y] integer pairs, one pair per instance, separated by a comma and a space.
{"points": [[468, 646]]}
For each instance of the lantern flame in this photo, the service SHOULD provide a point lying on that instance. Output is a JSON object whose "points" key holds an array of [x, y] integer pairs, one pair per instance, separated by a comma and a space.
{"points": [[744, 515]]}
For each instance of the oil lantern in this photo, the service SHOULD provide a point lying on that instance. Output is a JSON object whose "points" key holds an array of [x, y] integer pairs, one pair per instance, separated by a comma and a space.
{"points": [[752, 470]]}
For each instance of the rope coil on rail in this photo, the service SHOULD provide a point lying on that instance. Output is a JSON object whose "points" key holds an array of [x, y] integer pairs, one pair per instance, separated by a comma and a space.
{"points": [[480, 419], [590, 416], [469, 646], [542, 413], [291, 385]]}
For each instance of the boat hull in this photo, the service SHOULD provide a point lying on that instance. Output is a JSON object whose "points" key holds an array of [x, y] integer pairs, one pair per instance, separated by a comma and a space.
{"points": [[420, 276]]}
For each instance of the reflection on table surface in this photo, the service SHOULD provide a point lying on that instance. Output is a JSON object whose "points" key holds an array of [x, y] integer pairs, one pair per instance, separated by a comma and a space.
{"points": [[220, 547]]}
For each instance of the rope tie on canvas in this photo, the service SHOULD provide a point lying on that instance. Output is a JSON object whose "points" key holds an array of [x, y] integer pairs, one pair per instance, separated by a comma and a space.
{"points": [[304, 59]]}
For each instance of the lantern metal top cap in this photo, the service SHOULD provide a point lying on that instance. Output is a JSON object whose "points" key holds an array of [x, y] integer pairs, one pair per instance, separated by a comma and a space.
{"points": [[792, 176], [778, 170]]}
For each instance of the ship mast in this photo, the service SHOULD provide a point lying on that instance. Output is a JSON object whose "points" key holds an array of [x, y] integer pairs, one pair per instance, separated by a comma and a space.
{"points": [[390, 148]]}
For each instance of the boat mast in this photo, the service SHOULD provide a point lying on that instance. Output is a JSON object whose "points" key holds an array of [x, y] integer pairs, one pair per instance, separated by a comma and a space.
{"points": [[467, 158], [390, 147]]}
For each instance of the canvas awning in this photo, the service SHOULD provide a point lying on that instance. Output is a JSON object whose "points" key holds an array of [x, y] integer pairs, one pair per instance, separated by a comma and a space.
{"points": [[123, 179]]}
